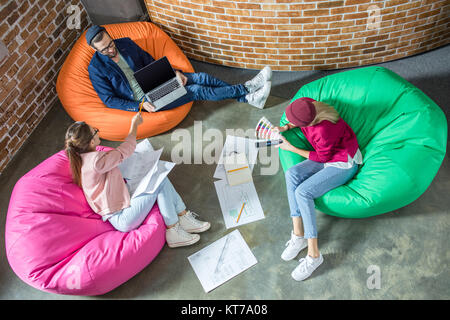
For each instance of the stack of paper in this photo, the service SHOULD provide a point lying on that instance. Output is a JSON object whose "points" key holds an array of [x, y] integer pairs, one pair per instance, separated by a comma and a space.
{"points": [[239, 202], [236, 188]]}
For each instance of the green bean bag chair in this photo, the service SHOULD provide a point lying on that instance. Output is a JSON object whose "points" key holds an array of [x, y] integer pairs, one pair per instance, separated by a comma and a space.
{"points": [[402, 136]]}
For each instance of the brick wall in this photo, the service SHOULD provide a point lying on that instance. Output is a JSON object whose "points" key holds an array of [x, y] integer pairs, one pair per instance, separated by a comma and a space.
{"points": [[302, 35], [37, 37]]}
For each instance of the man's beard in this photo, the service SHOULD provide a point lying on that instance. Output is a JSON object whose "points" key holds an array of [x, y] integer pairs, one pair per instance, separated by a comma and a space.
{"points": [[112, 55]]}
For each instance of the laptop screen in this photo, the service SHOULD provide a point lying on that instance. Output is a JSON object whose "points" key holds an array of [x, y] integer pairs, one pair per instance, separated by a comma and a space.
{"points": [[154, 74]]}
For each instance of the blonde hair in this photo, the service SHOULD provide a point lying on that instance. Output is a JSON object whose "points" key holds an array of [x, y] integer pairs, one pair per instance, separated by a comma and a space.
{"points": [[324, 112], [78, 138]]}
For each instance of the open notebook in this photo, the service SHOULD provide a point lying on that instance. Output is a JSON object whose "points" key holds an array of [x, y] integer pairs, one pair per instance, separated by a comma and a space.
{"points": [[237, 169]]}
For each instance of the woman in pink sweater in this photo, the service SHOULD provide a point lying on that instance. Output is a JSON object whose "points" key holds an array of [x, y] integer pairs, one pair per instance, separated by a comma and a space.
{"points": [[333, 162], [97, 173]]}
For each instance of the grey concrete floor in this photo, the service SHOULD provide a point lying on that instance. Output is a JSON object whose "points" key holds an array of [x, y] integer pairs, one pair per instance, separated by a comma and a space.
{"points": [[409, 245]]}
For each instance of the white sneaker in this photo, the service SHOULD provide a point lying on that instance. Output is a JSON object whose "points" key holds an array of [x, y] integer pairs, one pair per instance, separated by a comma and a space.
{"points": [[294, 246], [190, 224], [258, 81], [258, 99], [306, 267], [178, 237]]}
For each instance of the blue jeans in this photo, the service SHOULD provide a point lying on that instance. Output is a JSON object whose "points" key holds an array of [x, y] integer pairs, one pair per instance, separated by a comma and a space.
{"points": [[169, 202], [309, 180], [202, 86]]}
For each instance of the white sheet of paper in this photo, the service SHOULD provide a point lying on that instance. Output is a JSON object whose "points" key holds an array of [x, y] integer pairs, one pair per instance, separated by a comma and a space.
{"points": [[222, 260], [141, 161], [238, 145], [162, 170], [231, 199], [143, 146], [143, 170]]}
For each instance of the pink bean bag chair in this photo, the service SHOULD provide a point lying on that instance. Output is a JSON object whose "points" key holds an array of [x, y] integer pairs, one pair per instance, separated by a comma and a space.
{"points": [[56, 243]]}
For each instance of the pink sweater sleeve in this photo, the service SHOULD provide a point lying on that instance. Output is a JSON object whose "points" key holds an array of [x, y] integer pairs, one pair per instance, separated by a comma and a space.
{"points": [[105, 161]]}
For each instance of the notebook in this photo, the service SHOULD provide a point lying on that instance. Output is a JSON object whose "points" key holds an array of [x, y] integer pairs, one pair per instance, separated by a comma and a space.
{"points": [[237, 169]]}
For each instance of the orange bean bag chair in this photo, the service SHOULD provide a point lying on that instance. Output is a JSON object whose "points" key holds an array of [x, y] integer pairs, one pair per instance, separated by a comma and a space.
{"points": [[79, 99]]}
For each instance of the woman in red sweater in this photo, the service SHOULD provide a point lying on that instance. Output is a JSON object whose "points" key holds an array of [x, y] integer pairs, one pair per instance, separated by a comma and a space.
{"points": [[333, 162]]}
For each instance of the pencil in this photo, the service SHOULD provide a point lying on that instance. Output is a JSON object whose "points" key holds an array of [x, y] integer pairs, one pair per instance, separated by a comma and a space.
{"points": [[239, 216], [141, 104], [237, 169]]}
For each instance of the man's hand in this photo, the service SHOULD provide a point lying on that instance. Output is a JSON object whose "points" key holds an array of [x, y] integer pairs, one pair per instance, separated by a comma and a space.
{"points": [[148, 106], [182, 77]]}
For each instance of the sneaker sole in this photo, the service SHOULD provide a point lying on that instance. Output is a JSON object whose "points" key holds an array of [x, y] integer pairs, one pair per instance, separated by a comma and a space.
{"points": [[199, 230], [303, 247], [263, 102], [183, 244], [269, 76]]}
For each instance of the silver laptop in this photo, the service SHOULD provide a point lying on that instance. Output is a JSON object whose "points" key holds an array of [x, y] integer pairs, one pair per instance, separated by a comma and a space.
{"points": [[160, 83]]}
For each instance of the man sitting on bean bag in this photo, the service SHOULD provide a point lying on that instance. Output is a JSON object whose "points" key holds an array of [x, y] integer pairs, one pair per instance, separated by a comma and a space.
{"points": [[112, 68]]}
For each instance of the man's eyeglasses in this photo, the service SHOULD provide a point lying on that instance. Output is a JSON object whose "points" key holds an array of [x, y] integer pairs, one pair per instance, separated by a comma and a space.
{"points": [[95, 132], [105, 50]]}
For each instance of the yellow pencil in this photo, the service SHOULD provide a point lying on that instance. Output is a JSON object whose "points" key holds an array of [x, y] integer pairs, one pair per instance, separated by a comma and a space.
{"points": [[240, 212], [237, 169], [141, 104]]}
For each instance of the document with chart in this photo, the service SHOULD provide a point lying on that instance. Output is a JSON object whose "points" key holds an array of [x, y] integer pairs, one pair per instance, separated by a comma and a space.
{"points": [[222, 260], [239, 204]]}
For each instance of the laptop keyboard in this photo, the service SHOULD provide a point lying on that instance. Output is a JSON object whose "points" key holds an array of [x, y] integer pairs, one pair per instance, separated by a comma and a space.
{"points": [[164, 90]]}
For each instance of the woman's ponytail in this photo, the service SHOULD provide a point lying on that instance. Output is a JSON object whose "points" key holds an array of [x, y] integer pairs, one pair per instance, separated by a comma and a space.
{"points": [[78, 138], [325, 111], [75, 163]]}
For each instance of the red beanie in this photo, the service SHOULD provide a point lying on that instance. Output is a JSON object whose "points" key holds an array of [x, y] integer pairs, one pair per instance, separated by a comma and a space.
{"points": [[301, 112]]}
